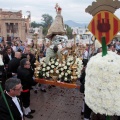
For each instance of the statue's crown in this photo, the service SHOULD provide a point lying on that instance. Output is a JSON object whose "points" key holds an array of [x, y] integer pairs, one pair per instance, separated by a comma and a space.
{"points": [[103, 5]]}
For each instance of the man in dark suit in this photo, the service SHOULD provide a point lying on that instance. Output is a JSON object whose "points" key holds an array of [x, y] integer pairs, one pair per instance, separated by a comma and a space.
{"points": [[25, 74], [13, 88], [9, 55], [14, 64]]}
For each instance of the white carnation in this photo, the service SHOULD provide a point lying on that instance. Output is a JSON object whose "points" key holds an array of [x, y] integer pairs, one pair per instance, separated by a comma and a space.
{"points": [[68, 71], [65, 79], [52, 59], [66, 74], [52, 66], [47, 75], [48, 68], [71, 77], [52, 62], [61, 69], [65, 67], [56, 63], [60, 65], [44, 65], [49, 63], [102, 84], [51, 71], [62, 73], [57, 71], [60, 76], [78, 76], [68, 63], [43, 69]]}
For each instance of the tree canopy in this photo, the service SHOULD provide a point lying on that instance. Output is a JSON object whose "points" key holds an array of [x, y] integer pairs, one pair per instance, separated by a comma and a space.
{"points": [[46, 22]]}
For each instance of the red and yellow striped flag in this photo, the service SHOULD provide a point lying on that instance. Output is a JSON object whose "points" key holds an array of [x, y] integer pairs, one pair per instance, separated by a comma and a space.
{"points": [[114, 26]]}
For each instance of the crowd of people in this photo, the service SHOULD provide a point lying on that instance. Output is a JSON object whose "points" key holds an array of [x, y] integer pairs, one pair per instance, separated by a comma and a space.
{"points": [[18, 76], [18, 66]]}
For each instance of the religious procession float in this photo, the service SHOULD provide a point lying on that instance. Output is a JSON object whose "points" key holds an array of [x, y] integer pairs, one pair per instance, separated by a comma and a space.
{"points": [[60, 67], [102, 81]]}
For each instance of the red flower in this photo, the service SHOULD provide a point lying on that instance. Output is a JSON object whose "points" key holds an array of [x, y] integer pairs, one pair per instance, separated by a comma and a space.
{"points": [[59, 9]]}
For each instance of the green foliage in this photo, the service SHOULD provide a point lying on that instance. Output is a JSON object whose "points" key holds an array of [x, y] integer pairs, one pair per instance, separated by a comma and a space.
{"points": [[47, 20], [45, 30], [69, 32], [34, 24]]}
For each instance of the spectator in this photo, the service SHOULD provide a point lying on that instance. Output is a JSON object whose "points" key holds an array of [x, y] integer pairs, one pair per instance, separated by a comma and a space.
{"points": [[9, 55], [25, 74], [13, 89], [118, 52], [20, 46], [117, 45], [14, 64], [40, 57], [27, 54]]}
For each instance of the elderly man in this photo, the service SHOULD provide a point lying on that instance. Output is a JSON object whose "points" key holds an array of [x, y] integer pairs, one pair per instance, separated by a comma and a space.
{"points": [[13, 88], [25, 74], [14, 64]]}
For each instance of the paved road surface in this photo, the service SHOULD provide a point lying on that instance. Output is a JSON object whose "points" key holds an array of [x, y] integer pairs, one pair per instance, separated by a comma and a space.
{"points": [[57, 104]]}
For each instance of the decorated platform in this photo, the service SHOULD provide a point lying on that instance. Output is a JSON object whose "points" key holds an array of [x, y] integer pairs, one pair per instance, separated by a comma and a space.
{"points": [[61, 66], [57, 83]]}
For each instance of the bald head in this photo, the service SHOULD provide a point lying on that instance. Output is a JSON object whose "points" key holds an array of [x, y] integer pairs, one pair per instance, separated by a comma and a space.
{"points": [[18, 55]]}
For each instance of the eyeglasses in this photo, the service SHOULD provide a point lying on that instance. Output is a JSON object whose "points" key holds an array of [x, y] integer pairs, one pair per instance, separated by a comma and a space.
{"points": [[18, 89], [28, 64]]}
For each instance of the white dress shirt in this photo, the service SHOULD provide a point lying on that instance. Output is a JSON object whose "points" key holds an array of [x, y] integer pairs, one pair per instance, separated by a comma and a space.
{"points": [[15, 100], [10, 57]]}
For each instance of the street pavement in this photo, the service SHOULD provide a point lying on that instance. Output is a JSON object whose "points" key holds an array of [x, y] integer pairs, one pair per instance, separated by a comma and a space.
{"points": [[57, 104]]}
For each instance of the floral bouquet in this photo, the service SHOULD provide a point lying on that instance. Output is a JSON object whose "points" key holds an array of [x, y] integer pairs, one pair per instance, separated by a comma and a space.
{"points": [[102, 82], [64, 70], [60, 71], [48, 70]]}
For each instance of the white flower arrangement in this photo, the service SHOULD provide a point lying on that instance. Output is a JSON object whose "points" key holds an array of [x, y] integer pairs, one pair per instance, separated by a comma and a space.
{"points": [[46, 70], [102, 84], [62, 70], [66, 71]]}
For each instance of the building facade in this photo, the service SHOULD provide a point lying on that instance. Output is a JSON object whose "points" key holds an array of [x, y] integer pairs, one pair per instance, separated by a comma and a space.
{"points": [[13, 25]]}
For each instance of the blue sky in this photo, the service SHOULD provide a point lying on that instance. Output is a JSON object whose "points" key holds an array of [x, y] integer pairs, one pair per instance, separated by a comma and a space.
{"points": [[71, 9]]}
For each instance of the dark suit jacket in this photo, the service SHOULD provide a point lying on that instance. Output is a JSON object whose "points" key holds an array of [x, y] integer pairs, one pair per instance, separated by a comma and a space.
{"points": [[4, 113], [6, 58], [26, 77], [13, 66]]}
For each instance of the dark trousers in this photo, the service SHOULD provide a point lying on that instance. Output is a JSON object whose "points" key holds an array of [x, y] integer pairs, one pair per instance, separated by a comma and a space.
{"points": [[25, 97], [118, 118], [87, 112]]}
